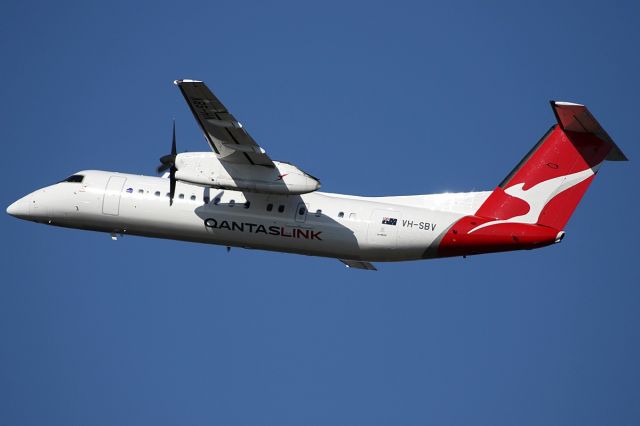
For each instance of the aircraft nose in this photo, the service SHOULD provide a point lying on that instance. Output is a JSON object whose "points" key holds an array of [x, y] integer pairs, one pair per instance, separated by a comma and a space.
{"points": [[19, 209]]}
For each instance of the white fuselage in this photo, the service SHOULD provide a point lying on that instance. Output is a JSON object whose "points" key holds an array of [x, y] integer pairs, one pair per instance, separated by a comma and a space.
{"points": [[316, 224]]}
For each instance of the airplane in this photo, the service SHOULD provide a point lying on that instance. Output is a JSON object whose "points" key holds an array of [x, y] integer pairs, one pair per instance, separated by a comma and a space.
{"points": [[237, 196]]}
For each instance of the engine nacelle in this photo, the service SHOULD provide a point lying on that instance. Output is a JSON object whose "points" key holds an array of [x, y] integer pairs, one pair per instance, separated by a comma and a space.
{"points": [[204, 168]]}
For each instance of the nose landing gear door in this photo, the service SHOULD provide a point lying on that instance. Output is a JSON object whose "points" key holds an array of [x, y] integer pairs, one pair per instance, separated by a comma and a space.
{"points": [[112, 192]]}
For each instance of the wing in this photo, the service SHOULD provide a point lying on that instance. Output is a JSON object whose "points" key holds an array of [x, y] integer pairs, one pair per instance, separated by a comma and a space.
{"points": [[225, 134]]}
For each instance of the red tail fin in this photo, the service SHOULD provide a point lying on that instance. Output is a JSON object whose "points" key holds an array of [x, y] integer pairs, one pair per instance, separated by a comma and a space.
{"points": [[547, 185]]}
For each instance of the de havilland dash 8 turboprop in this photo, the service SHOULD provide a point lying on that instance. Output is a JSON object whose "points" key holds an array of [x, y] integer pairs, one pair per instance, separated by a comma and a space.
{"points": [[238, 196]]}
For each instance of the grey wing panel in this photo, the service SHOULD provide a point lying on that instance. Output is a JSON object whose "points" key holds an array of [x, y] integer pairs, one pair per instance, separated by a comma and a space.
{"points": [[225, 134], [358, 264]]}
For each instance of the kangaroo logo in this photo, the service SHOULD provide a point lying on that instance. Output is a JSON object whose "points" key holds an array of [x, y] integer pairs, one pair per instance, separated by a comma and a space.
{"points": [[539, 195]]}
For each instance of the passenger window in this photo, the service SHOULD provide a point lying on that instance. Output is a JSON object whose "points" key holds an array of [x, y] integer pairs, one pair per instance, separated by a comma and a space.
{"points": [[341, 214], [302, 211], [318, 213], [280, 208], [232, 203], [269, 207], [193, 198], [247, 204], [140, 191], [181, 196], [157, 193], [168, 195]]}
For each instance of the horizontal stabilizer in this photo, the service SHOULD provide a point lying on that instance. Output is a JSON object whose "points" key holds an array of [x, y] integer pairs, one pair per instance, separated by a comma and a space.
{"points": [[358, 264], [577, 118]]}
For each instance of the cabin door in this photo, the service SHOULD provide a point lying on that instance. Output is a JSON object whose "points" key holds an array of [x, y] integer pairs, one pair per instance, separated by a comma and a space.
{"points": [[112, 192]]}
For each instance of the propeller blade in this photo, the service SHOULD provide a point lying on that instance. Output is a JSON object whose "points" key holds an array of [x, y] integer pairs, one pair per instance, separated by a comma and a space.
{"points": [[173, 141], [162, 168], [172, 170], [172, 184], [169, 162]]}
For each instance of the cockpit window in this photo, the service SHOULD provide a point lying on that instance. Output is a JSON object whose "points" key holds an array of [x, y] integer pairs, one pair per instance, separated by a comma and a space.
{"points": [[74, 178]]}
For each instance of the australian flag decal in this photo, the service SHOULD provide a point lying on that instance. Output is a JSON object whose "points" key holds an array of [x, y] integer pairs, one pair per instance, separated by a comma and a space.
{"points": [[389, 221]]}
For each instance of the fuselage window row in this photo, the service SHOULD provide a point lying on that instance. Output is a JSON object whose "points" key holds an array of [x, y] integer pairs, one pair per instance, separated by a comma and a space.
{"points": [[247, 204]]}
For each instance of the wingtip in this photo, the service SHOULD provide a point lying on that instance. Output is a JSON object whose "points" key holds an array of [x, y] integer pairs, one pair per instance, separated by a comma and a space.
{"points": [[186, 80]]}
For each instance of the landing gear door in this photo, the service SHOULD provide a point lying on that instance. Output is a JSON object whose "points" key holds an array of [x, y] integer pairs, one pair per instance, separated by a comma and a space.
{"points": [[301, 212], [383, 228], [112, 192]]}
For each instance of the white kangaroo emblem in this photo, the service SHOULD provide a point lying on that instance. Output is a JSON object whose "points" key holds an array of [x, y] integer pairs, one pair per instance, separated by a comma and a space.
{"points": [[539, 195]]}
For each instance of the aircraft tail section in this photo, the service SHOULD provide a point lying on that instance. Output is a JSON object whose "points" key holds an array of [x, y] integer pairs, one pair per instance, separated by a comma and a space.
{"points": [[547, 185], [533, 203]]}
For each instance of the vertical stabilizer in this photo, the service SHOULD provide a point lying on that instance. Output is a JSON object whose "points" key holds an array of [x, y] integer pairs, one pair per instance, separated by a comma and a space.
{"points": [[547, 185]]}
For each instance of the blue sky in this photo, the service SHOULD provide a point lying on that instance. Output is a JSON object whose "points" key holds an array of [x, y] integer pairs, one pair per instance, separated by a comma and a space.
{"points": [[374, 98]]}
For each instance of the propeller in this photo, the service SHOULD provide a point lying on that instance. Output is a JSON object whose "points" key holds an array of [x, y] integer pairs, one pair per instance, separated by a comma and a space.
{"points": [[169, 162]]}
